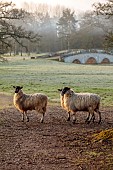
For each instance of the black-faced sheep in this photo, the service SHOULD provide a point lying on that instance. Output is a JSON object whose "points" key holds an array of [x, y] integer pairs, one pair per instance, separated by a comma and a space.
{"points": [[24, 102], [73, 102]]}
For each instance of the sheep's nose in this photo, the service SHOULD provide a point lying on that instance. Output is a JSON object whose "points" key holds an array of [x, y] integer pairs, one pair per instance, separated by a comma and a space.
{"points": [[62, 93], [16, 91]]}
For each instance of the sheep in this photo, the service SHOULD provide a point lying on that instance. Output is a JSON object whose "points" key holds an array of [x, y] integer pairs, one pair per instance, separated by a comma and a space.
{"points": [[24, 102], [73, 102]]}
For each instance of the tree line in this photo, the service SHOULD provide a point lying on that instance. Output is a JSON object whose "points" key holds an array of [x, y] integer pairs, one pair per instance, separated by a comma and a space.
{"points": [[38, 28]]}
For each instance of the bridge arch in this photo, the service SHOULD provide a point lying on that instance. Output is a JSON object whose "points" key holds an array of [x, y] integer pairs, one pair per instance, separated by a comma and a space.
{"points": [[91, 60], [105, 61], [77, 61]]}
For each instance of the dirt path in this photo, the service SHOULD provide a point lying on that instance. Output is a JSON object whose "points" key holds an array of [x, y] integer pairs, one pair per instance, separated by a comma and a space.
{"points": [[55, 144]]}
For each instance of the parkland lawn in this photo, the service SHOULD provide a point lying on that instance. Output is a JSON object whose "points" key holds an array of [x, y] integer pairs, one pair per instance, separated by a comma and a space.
{"points": [[46, 76]]}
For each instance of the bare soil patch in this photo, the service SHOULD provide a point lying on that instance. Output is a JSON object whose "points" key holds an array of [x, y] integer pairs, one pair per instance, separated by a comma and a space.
{"points": [[55, 144]]}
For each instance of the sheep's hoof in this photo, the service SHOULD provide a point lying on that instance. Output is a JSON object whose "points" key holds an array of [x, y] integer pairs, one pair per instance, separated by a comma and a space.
{"points": [[28, 119], [88, 122], [22, 120], [42, 121], [68, 119], [99, 122], [73, 121]]}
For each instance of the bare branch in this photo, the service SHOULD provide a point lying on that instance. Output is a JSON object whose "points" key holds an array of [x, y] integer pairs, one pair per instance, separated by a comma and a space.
{"points": [[8, 28]]}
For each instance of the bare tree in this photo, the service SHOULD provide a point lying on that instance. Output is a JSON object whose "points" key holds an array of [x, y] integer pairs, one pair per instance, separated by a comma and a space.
{"points": [[8, 29], [106, 10]]}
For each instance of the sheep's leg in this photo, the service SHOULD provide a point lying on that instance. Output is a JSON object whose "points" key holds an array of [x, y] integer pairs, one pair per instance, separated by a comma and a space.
{"points": [[68, 116], [87, 117], [42, 119], [92, 117], [74, 118], [22, 117], [99, 113], [26, 116]]}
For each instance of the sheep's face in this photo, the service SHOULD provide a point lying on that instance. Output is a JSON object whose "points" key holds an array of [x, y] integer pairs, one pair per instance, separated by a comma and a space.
{"points": [[17, 88], [64, 90]]}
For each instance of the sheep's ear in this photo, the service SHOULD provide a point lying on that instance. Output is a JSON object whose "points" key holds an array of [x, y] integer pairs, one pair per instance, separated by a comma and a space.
{"points": [[14, 87], [59, 89], [21, 87]]}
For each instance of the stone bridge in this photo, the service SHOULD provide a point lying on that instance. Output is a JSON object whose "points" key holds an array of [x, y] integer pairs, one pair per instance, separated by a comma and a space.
{"points": [[88, 58]]}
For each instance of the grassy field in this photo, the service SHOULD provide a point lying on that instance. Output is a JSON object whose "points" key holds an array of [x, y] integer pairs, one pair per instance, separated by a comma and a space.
{"points": [[42, 75]]}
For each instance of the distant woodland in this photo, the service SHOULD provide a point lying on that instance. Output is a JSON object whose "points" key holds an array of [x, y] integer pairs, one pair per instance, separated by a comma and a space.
{"points": [[41, 28]]}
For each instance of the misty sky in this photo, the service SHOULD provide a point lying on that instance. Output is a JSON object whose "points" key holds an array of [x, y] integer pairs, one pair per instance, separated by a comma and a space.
{"points": [[74, 4]]}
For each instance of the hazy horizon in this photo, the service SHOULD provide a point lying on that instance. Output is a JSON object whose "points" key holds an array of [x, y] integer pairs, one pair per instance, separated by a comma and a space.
{"points": [[82, 5]]}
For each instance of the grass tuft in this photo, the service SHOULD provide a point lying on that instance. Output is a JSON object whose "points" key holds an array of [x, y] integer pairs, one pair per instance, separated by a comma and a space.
{"points": [[104, 136]]}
